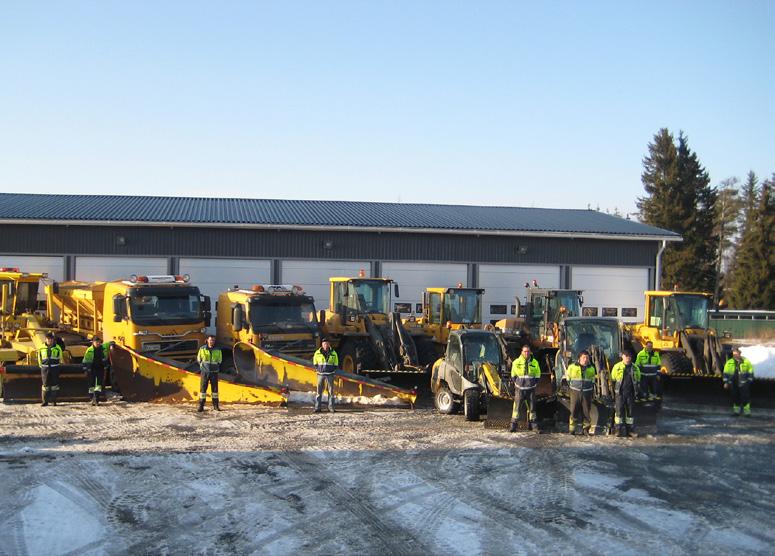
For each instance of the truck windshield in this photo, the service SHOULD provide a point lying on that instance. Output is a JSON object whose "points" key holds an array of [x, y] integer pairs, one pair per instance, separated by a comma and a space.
{"points": [[481, 347], [569, 300], [583, 335], [369, 296], [462, 306], [26, 297], [162, 306], [284, 312], [692, 309]]}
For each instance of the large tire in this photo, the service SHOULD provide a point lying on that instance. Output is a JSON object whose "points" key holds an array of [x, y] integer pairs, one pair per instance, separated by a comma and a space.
{"points": [[444, 401], [471, 404], [676, 363], [357, 356], [426, 353]]}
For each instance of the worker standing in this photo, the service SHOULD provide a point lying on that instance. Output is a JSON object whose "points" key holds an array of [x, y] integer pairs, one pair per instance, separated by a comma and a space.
{"points": [[95, 361], [210, 359], [525, 373], [649, 362], [581, 379], [326, 361], [49, 358], [626, 377], [738, 376]]}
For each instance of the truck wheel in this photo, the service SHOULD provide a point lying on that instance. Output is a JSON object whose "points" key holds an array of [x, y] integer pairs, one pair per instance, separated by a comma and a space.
{"points": [[356, 356], [444, 401], [471, 404], [676, 363]]}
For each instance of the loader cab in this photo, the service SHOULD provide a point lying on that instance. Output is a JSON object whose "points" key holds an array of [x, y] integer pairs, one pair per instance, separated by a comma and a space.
{"points": [[467, 351], [671, 312], [18, 292], [582, 333], [546, 307], [446, 309], [352, 298]]}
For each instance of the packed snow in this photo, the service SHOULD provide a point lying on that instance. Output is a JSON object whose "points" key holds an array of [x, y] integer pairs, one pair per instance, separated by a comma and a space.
{"points": [[762, 357]]}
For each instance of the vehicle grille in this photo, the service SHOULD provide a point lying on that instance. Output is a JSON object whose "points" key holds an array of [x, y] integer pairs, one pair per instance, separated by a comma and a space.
{"points": [[171, 346]]}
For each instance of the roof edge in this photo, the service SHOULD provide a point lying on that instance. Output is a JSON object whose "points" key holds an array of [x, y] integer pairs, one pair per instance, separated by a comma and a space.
{"points": [[379, 229]]}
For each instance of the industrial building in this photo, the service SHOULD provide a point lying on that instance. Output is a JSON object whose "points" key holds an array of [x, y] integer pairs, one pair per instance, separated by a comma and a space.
{"points": [[225, 242]]}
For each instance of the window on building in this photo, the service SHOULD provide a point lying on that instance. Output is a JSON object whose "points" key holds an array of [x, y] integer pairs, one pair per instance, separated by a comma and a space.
{"points": [[589, 311], [498, 309], [629, 311], [610, 312]]}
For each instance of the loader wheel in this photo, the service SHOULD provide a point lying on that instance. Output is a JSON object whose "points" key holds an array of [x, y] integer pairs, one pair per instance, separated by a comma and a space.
{"points": [[426, 353], [444, 401], [676, 363], [471, 404], [357, 355]]}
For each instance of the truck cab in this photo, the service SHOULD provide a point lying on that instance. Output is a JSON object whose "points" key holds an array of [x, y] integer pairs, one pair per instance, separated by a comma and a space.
{"points": [[272, 317]]}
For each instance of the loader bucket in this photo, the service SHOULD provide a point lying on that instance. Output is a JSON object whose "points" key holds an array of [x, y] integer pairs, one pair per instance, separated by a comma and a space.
{"points": [[601, 416], [257, 366], [645, 416], [499, 412], [22, 383]]}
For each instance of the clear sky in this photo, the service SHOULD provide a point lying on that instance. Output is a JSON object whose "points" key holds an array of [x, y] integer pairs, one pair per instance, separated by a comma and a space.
{"points": [[535, 103]]}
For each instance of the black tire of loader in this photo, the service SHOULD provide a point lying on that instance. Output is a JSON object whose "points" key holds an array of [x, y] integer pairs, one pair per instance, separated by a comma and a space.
{"points": [[362, 355], [676, 363], [442, 395], [427, 354], [471, 404]]}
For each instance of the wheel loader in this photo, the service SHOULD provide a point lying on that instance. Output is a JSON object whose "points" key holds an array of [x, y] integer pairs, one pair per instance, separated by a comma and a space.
{"points": [[367, 335], [605, 340]]}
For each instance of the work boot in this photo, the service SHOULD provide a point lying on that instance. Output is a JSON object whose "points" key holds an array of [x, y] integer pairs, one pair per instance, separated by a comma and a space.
{"points": [[631, 430], [331, 409], [94, 399], [622, 432], [215, 405], [513, 426], [532, 426], [201, 407], [316, 410], [585, 430], [44, 399]]}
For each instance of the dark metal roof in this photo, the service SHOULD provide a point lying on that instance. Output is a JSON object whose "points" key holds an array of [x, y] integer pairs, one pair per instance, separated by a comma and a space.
{"points": [[31, 208]]}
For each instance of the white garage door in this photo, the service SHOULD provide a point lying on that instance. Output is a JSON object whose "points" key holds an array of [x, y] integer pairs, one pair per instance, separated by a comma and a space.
{"points": [[612, 291], [53, 266], [215, 276], [313, 276], [413, 278], [505, 282], [93, 269]]}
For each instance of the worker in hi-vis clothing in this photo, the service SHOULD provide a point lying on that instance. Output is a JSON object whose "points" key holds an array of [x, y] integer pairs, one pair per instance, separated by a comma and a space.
{"points": [[95, 361], [626, 377], [649, 362], [525, 373], [49, 358], [210, 359], [581, 380], [326, 361], [738, 376]]}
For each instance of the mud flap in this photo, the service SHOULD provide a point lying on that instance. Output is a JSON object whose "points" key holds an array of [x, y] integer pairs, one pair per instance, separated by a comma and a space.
{"points": [[21, 384], [499, 412]]}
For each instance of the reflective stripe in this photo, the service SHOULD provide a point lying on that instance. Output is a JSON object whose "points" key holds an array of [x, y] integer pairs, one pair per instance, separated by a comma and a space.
{"points": [[525, 387], [45, 388], [55, 387], [215, 395], [202, 395]]}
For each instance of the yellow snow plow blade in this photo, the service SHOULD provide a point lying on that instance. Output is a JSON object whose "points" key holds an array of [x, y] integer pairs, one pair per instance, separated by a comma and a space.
{"points": [[143, 378], [257, 366]]}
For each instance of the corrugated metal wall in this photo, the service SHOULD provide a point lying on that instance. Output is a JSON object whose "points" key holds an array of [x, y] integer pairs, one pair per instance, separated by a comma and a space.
{"points": [[229, 242]]}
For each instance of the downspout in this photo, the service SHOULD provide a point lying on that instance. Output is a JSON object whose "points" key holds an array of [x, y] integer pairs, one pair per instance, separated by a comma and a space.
{"points": [[658, 270]]}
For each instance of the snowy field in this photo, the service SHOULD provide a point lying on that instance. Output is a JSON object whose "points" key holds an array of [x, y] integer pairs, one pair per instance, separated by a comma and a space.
{"points": [[150, 479]]}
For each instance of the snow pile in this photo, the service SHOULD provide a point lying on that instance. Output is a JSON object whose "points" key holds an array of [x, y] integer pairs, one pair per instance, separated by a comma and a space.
{"points": [[762, 358], [309, 397]]}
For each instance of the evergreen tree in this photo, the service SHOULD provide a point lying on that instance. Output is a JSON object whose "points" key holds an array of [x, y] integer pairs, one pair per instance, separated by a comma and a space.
{"points": [[728, 208], [753, 280], [679, 198]]}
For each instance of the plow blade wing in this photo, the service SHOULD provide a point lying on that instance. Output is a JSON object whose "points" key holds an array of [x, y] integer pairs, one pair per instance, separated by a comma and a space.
{"points": [[257, 366], [141, 378], [22, 383], [709, 389], [645, 415], [499, 413]]}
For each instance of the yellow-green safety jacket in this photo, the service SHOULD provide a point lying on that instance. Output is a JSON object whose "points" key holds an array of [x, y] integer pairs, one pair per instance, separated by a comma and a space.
{"points": [[649, 363], [617, 375], [581, 378], [50, 356], [325, 364], [744, 371], [88, 356], [525, 373], [210, 359]]}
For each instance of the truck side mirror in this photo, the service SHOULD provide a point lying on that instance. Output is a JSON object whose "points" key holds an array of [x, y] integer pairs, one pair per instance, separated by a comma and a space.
{"points": [[237, 317], [395, 290], [119, 308], [322, 316], [206, 304]]}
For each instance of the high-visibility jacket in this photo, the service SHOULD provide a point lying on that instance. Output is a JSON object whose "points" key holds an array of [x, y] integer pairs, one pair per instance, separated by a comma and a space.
{"points": [[744, 370], [325, 364], [88, 357], [49, 356], [581, 378], [646, 360], [525, 373], [618, 374], [210, 359]]}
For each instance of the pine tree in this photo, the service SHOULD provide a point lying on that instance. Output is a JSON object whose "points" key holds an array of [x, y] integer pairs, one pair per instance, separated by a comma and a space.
{"points": [[753, 283], [679, 198], [728, 208]]}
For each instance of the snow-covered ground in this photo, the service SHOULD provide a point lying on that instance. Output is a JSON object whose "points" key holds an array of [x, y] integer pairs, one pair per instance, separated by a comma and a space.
{"points": [[153, 479], [763, 359]]}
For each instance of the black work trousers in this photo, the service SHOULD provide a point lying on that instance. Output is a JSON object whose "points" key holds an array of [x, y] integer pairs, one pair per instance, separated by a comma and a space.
{"points": [[96, 379], [580, 408], [624, 406], [205, 378], [524, 399], [741, 395], [49, 377]]}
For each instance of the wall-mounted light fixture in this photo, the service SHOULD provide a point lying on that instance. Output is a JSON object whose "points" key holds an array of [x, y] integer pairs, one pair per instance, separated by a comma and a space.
{"points": [[328, 244], [120, 240], [521, 249]]}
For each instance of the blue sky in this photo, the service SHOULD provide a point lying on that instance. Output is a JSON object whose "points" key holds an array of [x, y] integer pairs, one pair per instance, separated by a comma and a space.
{"points": [[493, 103]]}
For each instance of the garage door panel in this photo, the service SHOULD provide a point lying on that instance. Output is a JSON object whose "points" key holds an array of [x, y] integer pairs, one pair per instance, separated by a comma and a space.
{"points": [[612, 291], [313, 275], [503, 283], [413, 278], [93, 269], [53, 266]]}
